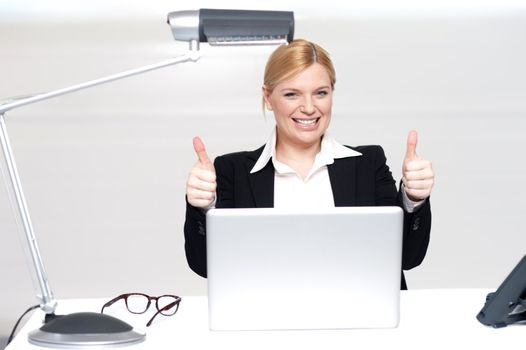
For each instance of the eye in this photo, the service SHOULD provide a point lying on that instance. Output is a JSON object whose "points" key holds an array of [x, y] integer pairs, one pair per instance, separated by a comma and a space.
{"points": [[290, 94], [322, 93]]}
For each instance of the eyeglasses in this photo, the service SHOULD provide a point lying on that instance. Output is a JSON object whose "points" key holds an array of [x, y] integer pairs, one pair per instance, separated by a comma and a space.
{"points": [[138, 303]]}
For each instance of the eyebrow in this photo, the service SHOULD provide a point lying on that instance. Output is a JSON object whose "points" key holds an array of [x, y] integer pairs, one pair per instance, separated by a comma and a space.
{"points": [[294, 89]]}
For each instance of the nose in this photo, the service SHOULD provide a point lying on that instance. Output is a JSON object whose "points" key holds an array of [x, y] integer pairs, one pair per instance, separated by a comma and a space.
{"points": [[307, 106]]}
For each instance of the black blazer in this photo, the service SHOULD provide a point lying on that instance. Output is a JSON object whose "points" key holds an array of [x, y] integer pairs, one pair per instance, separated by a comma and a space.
{"points": [[356, 181]]}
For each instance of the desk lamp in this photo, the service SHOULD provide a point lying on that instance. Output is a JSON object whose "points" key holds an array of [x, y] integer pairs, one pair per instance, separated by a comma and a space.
{"points": [[216, 27]]}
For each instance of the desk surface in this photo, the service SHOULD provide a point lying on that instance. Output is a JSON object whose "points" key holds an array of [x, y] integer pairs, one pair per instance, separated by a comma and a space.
{"points": [[430, 319]]}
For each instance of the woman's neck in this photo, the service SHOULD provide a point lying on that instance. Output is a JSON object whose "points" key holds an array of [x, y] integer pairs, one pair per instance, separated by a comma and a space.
{"points": [[298, 157]]}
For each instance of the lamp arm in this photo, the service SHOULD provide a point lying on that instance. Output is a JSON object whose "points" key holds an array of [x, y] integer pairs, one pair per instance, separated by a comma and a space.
{"points": [[47, 301], [46, 298], [15, 103]]}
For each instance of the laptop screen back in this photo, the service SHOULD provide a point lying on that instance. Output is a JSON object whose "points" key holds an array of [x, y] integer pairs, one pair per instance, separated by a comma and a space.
{"points": [[275, 269]]}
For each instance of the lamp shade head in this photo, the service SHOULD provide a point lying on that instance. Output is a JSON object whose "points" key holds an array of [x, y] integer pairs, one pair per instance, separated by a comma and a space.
{"points": [[233, 27]]}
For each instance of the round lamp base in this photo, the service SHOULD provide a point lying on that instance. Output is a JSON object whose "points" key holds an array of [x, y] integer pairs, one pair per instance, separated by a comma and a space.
{"points": [[85, 330]]}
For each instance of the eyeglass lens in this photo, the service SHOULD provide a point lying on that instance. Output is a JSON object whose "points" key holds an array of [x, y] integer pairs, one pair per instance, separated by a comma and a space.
{"points": [[137, 303], [166, 305]]}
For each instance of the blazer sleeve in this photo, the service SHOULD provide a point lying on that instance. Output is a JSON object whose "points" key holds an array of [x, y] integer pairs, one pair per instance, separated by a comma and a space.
{"points": [[195, 219], [417, 225], [417, 230], [195, 239]]}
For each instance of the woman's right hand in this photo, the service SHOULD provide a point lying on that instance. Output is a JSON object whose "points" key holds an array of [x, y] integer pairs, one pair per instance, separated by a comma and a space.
{"points": [[201, 185]]}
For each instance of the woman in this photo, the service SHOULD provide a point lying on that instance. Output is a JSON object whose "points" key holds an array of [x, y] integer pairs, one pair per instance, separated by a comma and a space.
{"points": [[302, 165]]}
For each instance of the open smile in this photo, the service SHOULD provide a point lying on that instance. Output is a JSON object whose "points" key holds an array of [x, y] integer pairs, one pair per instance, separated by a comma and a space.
{"points": [[306, 122]]}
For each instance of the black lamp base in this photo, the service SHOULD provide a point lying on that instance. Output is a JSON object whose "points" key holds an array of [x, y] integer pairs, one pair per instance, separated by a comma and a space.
{"points": [[85, 330]]}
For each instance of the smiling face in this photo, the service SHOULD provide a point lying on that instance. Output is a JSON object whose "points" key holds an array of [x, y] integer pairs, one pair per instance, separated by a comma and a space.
{"points": [[302, 107]]}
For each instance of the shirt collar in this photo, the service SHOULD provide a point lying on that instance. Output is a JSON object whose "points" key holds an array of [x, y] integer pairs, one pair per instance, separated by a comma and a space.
{"points": [[330, 150]]}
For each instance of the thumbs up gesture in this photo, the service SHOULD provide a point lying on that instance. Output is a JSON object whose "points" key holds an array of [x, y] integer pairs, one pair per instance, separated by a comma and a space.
{"points": [[418, 176], [201, 185]]}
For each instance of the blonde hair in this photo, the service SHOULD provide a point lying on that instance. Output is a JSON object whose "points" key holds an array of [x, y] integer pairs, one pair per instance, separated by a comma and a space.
{"points": [[289, 60]]}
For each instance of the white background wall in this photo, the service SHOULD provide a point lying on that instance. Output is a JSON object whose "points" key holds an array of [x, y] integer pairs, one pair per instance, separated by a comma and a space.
{"points": [[104, 170]]}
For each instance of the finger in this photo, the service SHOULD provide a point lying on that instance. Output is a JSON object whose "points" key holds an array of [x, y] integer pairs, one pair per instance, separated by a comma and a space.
{"points": [[204, 174], [193, 193], [419, 184], [199, 148], [200, 203], [412, 140], [418, 194], [196, 183], [426, 174], [416, 165]]}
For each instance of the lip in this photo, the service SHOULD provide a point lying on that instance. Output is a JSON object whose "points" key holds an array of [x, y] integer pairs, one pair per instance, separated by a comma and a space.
{"points": [[306, 123]]}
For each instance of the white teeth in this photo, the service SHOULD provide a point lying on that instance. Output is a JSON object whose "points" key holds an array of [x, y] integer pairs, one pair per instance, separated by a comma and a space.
{"points": [[306, 121]]}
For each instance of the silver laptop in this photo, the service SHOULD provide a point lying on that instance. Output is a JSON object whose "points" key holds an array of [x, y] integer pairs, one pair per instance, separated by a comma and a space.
{"points": [[274, 269]]}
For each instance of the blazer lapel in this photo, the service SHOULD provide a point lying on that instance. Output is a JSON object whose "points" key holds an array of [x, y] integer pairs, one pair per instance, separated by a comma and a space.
{"points": [[262, 183], [342, 174]]}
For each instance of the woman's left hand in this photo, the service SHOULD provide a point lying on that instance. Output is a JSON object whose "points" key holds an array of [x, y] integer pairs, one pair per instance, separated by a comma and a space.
{"points": [[418, 176]]}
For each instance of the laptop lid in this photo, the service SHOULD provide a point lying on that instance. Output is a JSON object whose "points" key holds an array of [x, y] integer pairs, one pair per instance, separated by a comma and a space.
{"points": [[284, 269]]}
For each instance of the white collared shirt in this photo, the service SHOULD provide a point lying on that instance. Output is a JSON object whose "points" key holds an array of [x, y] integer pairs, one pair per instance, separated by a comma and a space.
{"points": [[315, 191]]}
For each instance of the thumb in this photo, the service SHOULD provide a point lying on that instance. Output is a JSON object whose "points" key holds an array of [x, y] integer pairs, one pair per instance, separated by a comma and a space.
{"points": [[199, 148], [412, 140]]}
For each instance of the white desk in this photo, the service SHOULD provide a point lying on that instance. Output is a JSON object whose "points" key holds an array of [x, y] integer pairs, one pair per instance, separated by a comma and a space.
{"points": [[430, 319]]}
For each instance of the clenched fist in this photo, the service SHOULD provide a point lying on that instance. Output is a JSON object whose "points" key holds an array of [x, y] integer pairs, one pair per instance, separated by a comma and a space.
{"points": [[418, 176], [201, 185]]}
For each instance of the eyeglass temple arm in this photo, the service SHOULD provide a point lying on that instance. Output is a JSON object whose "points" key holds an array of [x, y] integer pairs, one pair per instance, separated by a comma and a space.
{"points": [[112, 301], [167, 307]]}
